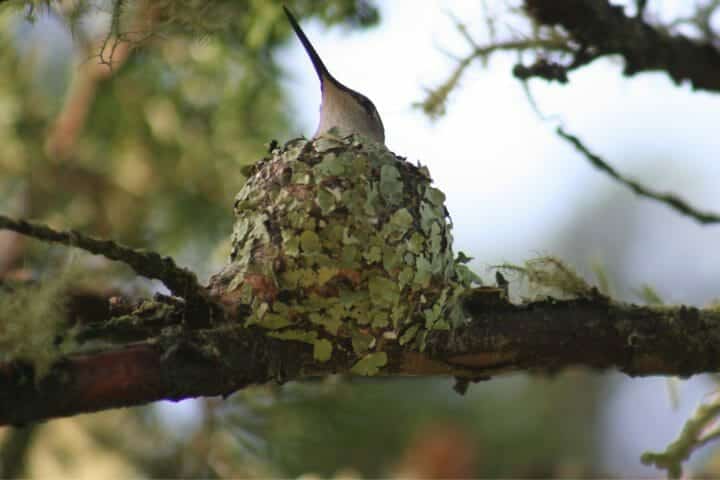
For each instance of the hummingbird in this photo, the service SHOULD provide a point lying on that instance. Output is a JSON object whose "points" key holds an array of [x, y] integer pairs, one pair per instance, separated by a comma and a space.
{"points": [[340, 107]]}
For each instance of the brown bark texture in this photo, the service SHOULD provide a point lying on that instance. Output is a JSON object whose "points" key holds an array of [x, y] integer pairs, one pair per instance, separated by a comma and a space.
{"points": [[146, 352], [600, 28]]}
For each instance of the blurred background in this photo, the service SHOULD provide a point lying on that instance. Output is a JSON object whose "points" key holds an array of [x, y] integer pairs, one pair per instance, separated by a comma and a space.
{"points": [[150, 153]]}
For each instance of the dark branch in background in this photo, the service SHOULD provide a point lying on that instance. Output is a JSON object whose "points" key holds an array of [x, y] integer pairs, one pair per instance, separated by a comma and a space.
{"points": [[601, 29], [570, 34], [577, 32], [668, 199], [181, 282]]}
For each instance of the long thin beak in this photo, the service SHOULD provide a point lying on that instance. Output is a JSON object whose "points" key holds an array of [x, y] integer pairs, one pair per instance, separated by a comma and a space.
{"points": [[322, 72]]}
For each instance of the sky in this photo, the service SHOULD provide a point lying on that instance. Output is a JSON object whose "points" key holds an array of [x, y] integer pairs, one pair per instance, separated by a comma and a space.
{"points": [[513, 187]]}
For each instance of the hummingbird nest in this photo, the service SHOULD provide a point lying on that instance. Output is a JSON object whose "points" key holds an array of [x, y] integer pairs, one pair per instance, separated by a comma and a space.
{"points": [[342, 244]]}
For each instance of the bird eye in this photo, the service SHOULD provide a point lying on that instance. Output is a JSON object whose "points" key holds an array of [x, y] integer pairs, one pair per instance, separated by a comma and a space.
{"points": [[363, 100]]}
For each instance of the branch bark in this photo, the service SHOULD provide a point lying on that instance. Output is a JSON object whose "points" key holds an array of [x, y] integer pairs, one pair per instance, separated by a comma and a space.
{"points": [[148, 357], [180, 281], [601, 29]]}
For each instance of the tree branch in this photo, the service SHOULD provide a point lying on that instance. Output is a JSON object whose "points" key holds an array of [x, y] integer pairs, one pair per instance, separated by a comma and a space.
{"points": [[178, 280], [172, 363], [695, 434], [434, 103], [602, 29], [668, 199]]}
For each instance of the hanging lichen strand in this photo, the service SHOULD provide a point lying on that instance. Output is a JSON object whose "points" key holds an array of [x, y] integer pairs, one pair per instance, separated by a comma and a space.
{"points": [[339, 238]]}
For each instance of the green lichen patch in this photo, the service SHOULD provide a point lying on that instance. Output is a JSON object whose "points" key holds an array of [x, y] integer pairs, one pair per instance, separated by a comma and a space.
{"points": [[31, 317], [343, 240], [322, 350], [370, 364]]}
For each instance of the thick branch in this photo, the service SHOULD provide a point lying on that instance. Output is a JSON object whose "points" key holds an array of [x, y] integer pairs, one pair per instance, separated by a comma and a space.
{"points": [[541, 336], [603, 29], [597, 333]]}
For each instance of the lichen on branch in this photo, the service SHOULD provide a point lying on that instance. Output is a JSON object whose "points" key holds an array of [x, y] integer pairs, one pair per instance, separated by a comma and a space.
{"points": [[697, 432], [180, 281], [343, 245], [32, 320]]}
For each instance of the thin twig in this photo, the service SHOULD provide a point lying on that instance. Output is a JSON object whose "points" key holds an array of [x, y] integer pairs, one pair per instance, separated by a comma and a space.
{"points": [[690, 439], [640, 6], [434, 103], [670, 199], [180, 281]]}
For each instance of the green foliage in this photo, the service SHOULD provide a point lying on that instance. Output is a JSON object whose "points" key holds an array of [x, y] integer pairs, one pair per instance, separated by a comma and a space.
{"points": [[370, 364], [515, 427], [322, 350], [252, 24]]}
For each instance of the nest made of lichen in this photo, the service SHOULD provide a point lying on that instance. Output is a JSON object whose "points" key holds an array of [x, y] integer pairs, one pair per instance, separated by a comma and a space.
{"points": [[339, 238]]}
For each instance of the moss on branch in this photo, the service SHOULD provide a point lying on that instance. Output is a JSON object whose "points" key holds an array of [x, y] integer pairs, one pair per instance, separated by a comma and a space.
{"points": [[148, 356], [178, 280]]}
